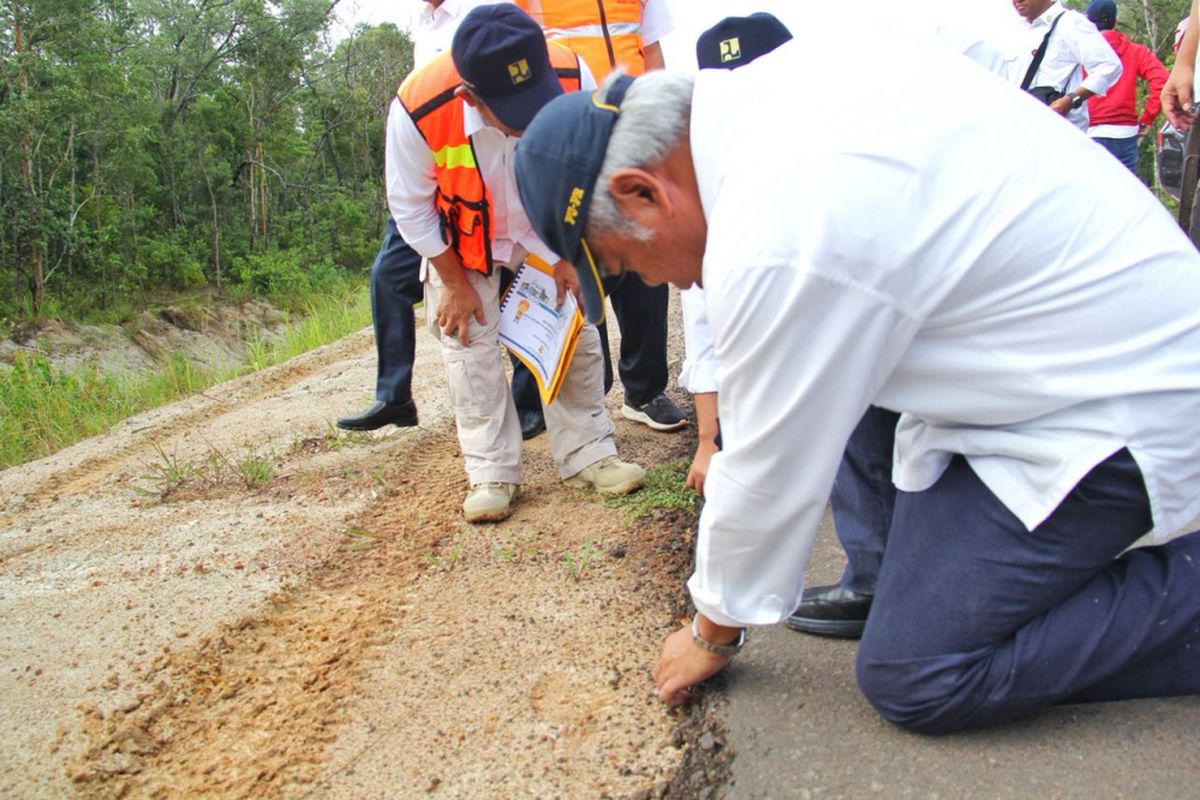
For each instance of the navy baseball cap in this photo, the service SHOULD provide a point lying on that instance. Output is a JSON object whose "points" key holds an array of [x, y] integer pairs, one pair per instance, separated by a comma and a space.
{"points": [[558, 159], [1103, 14], [736, 41], [500, 54]]}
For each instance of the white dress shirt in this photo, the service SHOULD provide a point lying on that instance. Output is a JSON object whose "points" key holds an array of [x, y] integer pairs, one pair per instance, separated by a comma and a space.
{"points": [[1075, 46], [698, 373], [435, 27], [1025, 303], [412, 184]]}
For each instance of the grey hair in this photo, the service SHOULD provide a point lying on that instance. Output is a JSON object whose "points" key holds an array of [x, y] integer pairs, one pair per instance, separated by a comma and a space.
{"points": [[654, 119]]}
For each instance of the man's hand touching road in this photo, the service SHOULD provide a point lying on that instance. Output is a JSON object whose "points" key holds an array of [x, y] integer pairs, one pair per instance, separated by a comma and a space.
{"points": [[683, 663]]}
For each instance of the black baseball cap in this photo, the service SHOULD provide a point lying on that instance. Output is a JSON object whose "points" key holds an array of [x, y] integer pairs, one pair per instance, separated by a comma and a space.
{"points": [[500, 54], [736, 41], [558, 159], [1103, 14]]}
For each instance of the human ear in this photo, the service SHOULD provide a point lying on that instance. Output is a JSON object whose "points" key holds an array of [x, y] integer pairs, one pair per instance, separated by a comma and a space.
{"points": [[465, 95], [639, 195]]}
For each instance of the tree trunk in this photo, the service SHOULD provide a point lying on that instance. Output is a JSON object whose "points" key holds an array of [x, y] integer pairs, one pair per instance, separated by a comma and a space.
{"points": [[35, 274]]}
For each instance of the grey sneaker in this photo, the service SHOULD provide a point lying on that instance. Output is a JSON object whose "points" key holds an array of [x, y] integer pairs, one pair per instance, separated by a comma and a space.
{"points": [[609, 475], [489, 502], [660, 414]]}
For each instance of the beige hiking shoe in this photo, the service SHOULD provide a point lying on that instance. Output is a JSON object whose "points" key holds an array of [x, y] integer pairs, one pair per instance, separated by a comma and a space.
{"points": [[489, 502], [609, 475]]}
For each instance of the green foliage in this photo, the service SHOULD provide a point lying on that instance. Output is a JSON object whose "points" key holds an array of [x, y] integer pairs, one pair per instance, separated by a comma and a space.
{"points": [[158, 144], [43, 409], [665, 487]]}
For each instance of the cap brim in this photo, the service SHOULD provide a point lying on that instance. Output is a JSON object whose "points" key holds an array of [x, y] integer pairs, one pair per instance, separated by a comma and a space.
{"points": [[516, 111], [591, 285]]}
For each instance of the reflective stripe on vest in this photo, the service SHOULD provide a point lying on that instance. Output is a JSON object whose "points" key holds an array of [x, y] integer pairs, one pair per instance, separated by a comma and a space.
{"points": [[463, 202], [604, 33]]}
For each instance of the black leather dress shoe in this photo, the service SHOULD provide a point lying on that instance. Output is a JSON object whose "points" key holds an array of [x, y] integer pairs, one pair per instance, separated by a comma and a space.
{"points": [[532, 423], [831, 611], [402, 415]]}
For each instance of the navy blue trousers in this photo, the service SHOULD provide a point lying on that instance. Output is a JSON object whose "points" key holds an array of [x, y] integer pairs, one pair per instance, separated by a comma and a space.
{"points": [[395, 289], [641, 313], [863, 497], [977, 620]]}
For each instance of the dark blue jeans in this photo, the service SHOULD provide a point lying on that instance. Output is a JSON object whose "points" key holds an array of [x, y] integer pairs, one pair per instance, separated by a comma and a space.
{"points": [[977, 620], [395, 289], [1125, 150]]}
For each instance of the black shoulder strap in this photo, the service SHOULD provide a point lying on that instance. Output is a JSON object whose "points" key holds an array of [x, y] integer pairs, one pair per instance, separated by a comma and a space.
{"points": [[1039, 55]]}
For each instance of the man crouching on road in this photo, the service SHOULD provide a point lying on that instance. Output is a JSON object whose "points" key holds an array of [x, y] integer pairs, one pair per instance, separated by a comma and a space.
{"points": [[451, 133], [1037, 324]]}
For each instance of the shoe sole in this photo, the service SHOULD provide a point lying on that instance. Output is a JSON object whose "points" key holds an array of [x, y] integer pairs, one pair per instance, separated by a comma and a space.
{"points": [[830, 628], [488, 516], [621, 488], [645, 419], [407, 423]]}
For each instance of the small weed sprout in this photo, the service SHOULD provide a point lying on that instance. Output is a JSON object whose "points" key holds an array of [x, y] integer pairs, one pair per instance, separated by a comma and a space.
{"points": [[256, 471], [577, 564], [362, 539], [446, 563], [166, 475]]}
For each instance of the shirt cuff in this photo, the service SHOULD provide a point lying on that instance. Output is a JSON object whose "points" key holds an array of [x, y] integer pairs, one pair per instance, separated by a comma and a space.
{"points": [[699, 377], [427, 246]]}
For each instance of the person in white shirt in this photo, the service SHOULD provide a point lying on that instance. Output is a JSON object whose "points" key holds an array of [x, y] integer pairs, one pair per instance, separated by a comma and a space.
{"points": [[1074, 46], [1037, 326], [499, 76]]}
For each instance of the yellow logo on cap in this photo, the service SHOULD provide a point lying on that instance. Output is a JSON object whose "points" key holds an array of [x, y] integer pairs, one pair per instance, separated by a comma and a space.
{"points": [[573, 204], [519, 71], [731, 50]]}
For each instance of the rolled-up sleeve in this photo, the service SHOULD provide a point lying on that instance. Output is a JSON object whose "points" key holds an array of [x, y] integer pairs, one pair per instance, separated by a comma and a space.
{"points": [[699, 372], [802, 355], [1095, 54], [412, 184]]}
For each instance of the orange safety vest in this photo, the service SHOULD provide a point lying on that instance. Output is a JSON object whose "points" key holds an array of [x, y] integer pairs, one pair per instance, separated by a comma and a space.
{"points": [[604, 33], [463, 201]]}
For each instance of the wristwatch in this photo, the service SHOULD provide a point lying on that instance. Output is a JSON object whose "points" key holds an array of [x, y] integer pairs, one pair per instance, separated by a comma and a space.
{"points": [[1077, 100], [726, 650]]}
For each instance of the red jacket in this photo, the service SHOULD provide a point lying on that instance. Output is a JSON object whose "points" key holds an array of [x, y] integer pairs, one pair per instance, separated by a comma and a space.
{"points": [[1119, 106]]}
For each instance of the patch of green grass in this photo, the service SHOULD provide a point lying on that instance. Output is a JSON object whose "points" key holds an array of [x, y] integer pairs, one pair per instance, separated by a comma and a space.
{"points": [[666, 487], [43, 409]]}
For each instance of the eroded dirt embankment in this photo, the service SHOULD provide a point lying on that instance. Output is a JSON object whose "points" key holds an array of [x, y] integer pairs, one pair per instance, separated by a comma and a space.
{"points": [[175, 624]]}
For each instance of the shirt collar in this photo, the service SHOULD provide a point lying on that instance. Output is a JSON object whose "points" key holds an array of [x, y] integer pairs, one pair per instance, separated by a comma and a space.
{"points": [[473, 121], [451, 9], [1048, 16]]}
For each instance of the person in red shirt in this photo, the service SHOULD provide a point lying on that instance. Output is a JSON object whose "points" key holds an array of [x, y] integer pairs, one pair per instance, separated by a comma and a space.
{"points": [[1114, 121]]}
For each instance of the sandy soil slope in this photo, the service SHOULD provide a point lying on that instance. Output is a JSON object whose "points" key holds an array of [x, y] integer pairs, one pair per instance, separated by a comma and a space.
{"points": [[174, 626]]}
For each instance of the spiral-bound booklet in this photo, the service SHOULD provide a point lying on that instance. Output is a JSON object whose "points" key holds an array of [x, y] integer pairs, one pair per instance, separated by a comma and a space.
{"points": [[538, 331]]}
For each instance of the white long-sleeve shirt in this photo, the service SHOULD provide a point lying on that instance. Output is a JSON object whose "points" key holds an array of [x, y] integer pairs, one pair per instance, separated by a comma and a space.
{"points": [[412, 184], [1026, 303], [434, 29], [1075, 46], [698, 374]]}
